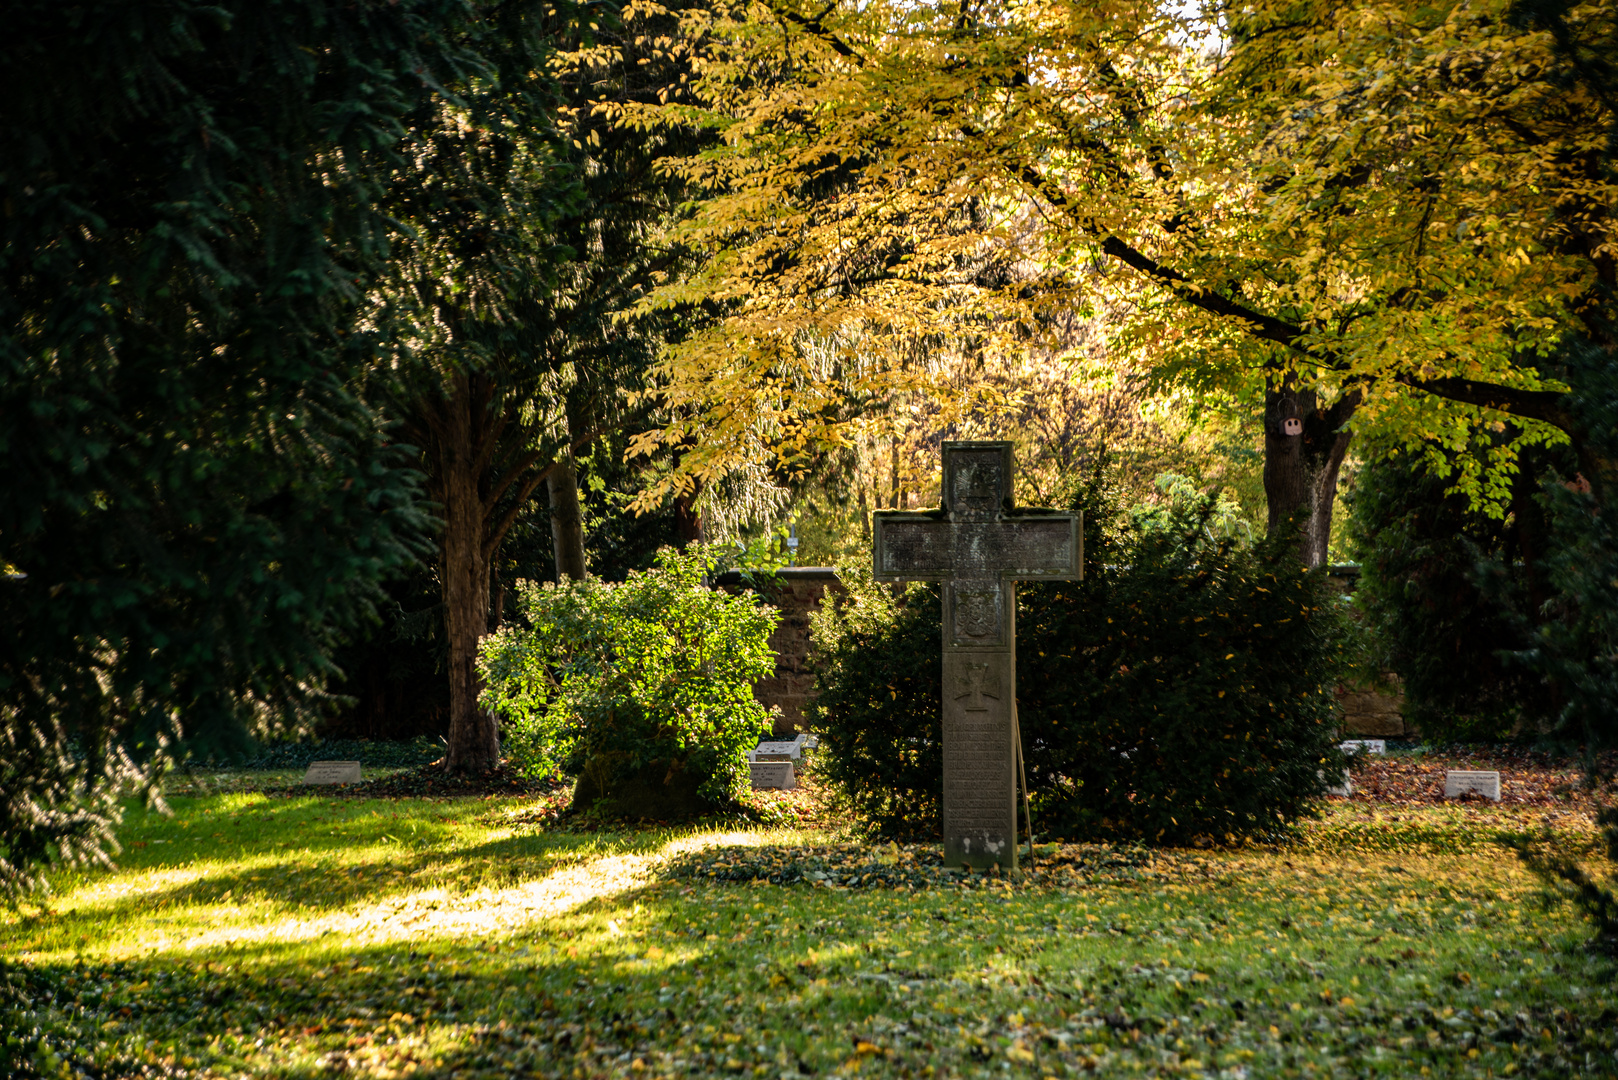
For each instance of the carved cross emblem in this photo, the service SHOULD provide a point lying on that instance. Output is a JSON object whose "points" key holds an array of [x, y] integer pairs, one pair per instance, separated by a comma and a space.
{"points": [[977, 681]]}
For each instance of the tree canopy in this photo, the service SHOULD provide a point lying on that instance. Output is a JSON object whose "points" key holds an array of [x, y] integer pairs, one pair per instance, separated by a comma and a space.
{"points": [[1368, 216], [529, 231]]}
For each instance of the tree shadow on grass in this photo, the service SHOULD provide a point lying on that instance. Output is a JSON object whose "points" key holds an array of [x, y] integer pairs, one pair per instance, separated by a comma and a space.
{"points": [[523, 1004]]}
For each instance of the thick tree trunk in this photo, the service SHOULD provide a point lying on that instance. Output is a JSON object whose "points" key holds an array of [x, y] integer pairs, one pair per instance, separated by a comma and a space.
{"points": [[567, 523], [474, 734], [1302, 461]]}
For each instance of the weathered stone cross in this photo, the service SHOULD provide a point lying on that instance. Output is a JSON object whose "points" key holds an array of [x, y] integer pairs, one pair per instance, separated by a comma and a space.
{"points": [[979, 546]]}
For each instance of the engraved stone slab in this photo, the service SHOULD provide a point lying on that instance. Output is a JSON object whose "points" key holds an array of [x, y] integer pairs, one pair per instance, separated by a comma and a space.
{"points": [[980, 787], [1344, 786], [1363, 746], [979, 545], [1485, 782], [773, 774], [332, 772], [778, 750], [923, 547]]}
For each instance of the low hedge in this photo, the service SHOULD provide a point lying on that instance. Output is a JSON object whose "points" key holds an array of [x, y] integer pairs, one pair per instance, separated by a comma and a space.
{"points": [[1183, 691]]}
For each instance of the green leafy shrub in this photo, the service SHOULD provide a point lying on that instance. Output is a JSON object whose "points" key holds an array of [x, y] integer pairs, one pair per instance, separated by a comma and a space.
{"points": [[642, 690], [878, 683], [1183, 690]]}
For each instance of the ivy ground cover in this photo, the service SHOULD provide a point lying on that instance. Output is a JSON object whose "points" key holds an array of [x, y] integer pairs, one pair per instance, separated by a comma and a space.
{"points": [[311, 936]]}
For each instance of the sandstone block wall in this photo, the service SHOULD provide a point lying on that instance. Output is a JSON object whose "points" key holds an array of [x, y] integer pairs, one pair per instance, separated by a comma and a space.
{"points": [[1369, 713], [797, 591]]}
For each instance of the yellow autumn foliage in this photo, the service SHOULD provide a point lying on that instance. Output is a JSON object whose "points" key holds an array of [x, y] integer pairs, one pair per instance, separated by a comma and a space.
{"points": [[1384, 201]]}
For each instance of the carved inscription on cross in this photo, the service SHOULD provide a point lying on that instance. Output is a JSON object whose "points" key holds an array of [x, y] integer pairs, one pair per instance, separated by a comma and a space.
{"points": [[979, 546]]}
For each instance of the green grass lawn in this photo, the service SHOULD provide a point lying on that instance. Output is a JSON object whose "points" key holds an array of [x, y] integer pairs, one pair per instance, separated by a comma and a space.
{"points": [[308, 936]]}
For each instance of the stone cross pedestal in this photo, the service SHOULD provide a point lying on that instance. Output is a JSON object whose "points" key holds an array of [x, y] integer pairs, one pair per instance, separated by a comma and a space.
{"points": [[979, 546]]}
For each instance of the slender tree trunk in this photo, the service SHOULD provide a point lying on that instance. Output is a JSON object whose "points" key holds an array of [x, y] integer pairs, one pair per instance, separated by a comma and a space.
{"points": [[1302, 461], [893, 472], [687, 519], [567, 523], [474, 734]]}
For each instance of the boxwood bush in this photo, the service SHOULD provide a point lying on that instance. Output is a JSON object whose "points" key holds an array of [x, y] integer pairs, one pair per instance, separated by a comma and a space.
{"points": [[642, 690], [1184, 691]]}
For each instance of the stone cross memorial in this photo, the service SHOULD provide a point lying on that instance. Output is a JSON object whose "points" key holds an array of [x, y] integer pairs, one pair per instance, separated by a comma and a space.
{"points": [[979, 547]]}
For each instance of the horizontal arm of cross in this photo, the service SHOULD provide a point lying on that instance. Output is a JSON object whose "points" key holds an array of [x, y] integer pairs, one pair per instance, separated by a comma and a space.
{"points": [[1024, 545]]}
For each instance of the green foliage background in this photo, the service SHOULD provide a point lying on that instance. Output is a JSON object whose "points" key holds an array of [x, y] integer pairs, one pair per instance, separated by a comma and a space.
{"points": [[1577, 652], [1183, 690], [1429, 618], [197, 499]]}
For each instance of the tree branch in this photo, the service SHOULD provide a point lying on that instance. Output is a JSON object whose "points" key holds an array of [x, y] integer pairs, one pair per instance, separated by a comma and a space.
{"points": [[491, 437], [817, 28], [509, 478], [1342, 411], [1547, 406], [497, 532], [1259, 325]]}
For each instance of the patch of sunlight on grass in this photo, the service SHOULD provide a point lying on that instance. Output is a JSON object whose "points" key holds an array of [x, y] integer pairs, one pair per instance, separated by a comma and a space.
{"points": [[412, 915]]}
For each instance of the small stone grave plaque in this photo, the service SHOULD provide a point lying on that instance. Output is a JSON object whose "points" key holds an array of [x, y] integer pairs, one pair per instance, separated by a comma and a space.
{"points": [[1363, 746], [332, 772], [1485, 782], [778, 750], [1344, 786], [773, 774]]}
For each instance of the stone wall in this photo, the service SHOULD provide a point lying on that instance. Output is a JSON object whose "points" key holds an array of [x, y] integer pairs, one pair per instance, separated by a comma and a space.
{"points": [[1369, 713], [797, 591]]}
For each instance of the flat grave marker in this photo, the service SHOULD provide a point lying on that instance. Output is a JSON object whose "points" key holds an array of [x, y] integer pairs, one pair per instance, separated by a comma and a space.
{"points": [[1485, 782], [1363, 746], [1344, 786], [979, 546], [332, 772], [777, 750], [772, 775]]}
